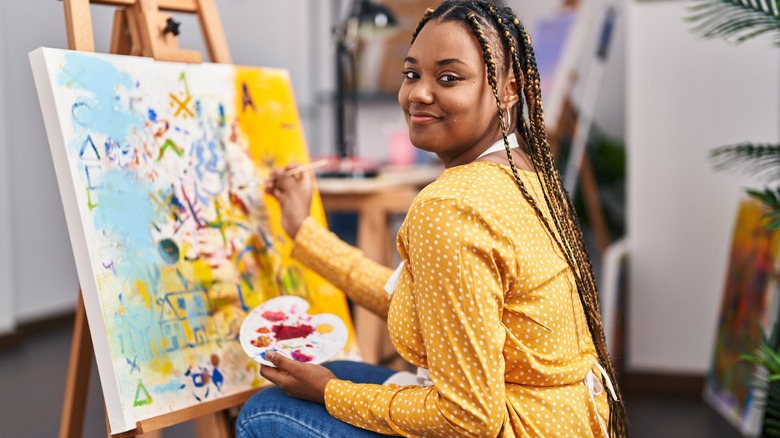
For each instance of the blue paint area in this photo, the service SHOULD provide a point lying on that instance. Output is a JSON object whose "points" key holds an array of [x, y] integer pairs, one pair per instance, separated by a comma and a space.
{"points": [[173, 386], [217, 378], [83, 113], [102, 113], [152, 115], [126, 214], [88, 150]]}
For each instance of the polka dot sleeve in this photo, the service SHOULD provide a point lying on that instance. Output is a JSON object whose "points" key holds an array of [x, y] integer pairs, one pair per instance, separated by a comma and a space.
{"points": [[343, 265], [459, 300]]}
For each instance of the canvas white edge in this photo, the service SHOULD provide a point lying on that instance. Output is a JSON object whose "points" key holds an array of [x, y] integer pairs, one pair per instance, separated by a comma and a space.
{"points": [[117, 420]]}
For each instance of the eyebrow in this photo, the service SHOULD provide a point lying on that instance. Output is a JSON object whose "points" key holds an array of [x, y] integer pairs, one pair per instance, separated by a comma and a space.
{"points": [[446, 61]]}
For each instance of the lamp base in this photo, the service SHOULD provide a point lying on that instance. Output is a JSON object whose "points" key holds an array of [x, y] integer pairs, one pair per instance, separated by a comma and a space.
{"points": [[349, 167]]}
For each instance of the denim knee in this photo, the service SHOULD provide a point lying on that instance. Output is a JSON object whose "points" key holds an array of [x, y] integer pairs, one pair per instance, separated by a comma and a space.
{"points": [[271, 412]]}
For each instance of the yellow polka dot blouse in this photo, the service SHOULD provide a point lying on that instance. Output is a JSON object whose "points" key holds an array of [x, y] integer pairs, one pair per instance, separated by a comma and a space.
{"points": [[485, 302]]}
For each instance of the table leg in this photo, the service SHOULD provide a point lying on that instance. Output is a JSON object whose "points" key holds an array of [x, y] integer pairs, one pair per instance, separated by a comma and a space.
{"points": [[372, 230]]}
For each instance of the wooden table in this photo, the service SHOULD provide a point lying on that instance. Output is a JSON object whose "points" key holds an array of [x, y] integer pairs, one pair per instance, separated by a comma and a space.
{"points": [[375, 200]]}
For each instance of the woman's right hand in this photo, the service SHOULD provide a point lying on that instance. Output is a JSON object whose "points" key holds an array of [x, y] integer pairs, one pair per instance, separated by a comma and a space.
{"points": [[293, 191]]}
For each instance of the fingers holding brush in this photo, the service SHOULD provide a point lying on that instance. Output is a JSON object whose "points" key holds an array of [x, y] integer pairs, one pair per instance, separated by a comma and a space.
{"points": [[292, 187]]}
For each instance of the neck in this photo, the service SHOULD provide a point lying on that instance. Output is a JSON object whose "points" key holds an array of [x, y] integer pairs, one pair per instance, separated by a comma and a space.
{"points": [[478, 150]]}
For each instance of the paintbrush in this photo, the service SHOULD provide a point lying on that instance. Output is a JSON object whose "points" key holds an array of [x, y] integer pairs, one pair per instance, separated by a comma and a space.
{"points": [[294, 171]]}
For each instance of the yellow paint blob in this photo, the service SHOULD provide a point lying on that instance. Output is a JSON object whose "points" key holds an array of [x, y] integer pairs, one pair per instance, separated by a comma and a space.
{"points": [[161, 366], [324, 328], [141, 288]]}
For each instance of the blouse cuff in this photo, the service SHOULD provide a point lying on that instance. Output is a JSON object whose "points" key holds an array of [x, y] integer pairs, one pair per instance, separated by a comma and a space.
{"points": [[365, 406]]}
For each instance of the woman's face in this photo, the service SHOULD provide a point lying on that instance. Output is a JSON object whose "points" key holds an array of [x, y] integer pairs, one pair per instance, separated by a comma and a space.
{"points": [[445, 96]]}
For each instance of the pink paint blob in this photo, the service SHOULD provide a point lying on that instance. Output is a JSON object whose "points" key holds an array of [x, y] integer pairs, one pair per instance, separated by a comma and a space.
{"points": [[301, 357], [274, 316]]}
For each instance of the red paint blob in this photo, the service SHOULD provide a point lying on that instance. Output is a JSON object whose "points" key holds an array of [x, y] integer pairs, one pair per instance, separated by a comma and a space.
{"points": [[292, 331]]}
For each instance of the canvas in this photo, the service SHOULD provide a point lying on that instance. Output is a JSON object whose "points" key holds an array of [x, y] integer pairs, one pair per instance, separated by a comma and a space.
{"points": [[750, 303], [172, 249]]}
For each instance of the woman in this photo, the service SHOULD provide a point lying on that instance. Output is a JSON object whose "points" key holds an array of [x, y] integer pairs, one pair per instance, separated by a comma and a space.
{"points": [[495, 299]]}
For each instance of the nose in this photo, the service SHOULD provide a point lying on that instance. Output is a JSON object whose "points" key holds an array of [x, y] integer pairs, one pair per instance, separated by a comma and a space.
{"points": [[420, 92]]}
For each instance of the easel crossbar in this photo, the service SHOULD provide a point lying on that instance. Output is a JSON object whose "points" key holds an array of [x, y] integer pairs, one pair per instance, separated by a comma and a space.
{"points": [[164, 5], [191, 413]]}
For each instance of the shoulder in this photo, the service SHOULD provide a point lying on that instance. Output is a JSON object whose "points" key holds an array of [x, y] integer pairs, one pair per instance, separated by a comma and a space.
{"points": [[475, 199], [480, 187]]}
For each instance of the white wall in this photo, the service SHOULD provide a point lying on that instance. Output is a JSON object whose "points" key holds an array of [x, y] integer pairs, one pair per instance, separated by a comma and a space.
{"points": [[44, 278], [685, 96]]}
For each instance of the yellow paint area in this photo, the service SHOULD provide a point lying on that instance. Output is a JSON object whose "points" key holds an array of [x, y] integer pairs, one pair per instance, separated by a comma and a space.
{"points": [[324, 328], [201, 271], [268, 122], [161, 365]]}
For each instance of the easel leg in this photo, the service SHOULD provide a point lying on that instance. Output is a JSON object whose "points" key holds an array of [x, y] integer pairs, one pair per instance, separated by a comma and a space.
{"points": [[214, 425], [78, 25], [593, 206], [372, 229], [79, 364]]}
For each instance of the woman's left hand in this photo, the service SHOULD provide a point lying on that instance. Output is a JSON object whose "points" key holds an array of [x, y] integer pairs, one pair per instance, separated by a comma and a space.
{"points": [[300, 380]]}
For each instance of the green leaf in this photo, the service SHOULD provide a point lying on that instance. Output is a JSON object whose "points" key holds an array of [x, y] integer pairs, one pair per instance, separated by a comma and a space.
{"points": [[750, 158], [734, 20]]}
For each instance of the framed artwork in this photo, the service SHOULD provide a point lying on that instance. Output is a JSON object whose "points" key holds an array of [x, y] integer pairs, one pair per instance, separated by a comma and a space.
{"points": [[734, 387], [172, 245]]}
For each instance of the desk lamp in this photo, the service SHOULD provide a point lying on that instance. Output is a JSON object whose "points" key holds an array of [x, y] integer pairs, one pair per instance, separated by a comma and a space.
{"points": [[365, 20]]}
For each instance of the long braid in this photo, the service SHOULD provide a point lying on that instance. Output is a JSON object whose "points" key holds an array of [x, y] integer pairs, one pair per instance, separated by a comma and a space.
{"points": [[571, 227], [493, 81], [572, 232], [570, 255], [519, 116], [568, 233]]}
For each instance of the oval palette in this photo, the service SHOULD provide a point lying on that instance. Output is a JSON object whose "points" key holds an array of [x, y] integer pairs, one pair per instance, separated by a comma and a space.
{"points": [[283, 325]]}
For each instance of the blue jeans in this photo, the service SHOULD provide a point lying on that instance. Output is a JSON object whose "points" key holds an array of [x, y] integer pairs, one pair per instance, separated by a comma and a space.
{"points": [[271, 413]]}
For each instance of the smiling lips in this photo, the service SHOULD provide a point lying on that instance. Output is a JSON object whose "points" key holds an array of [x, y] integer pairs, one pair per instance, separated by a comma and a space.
{"points": [[422, 118]]}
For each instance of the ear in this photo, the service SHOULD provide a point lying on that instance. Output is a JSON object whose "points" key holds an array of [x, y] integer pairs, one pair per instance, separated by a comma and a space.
{"points": [[508, 92]]}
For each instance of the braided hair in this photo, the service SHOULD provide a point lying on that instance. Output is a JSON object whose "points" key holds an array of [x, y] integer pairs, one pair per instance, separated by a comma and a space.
{"points": [[506, 48]]}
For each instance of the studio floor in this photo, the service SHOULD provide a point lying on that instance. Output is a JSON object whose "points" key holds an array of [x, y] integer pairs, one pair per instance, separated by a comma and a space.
{"points": [[32, 384]]}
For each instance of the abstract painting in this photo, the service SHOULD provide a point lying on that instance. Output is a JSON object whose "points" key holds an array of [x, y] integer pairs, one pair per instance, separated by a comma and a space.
{"points": [[749, 306], [173, 244]]}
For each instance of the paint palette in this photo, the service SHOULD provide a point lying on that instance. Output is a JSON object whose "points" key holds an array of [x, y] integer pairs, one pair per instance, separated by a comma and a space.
{"points": [[283, 325]]}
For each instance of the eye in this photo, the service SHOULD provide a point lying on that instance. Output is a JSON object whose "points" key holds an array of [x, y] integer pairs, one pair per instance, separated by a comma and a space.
{"points": [[449, 78], [410, 74]]}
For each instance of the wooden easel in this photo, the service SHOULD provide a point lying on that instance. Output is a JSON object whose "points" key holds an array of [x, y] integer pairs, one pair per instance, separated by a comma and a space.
{"points": [[141, 29]]}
